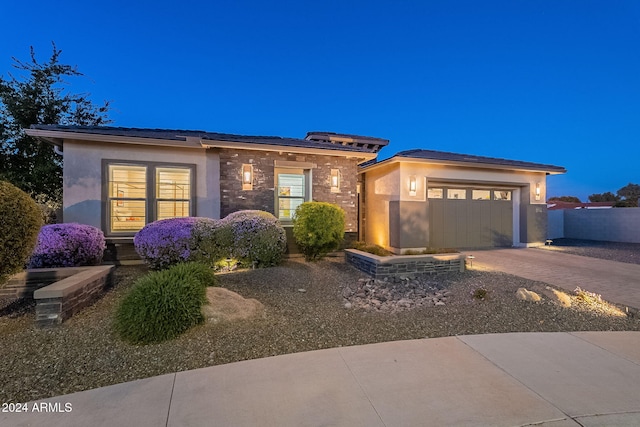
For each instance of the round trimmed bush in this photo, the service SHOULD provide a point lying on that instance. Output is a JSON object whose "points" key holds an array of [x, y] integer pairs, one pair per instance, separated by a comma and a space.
{"points": [[68, 245], [20, 222], [163, 304], [257, 237], [168, 241], [211, 242], [318, 228]]}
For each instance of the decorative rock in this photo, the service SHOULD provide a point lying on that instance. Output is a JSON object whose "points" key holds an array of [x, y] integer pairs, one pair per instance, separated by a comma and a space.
{"points": [[302, 290], [526, 295], [225, 305], [347, 305], [395, 293], [347, 292]]}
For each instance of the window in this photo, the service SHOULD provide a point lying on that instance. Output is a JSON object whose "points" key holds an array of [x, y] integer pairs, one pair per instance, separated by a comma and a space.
{"points": [[291, 194], [435, 193], [456, 193], [173, 192], [127, 198], [501, 195], [481, 195], [141, 193]]}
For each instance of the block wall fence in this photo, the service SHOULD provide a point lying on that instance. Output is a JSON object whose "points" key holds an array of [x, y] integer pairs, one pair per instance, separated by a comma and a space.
{"points": [[611, 225]]}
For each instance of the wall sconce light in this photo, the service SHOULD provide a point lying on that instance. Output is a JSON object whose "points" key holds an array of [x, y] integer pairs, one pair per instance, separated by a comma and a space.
{"points": [[413, 185], [537, 191], [247, 177], [335, 180]]}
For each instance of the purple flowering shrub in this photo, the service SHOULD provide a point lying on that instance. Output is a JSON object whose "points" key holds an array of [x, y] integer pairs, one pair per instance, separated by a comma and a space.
{"points": [[167, 242], [67, 245], [257, 237]]}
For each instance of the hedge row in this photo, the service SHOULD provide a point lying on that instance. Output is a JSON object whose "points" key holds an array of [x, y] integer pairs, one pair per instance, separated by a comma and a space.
{"points": [[254, 238]]}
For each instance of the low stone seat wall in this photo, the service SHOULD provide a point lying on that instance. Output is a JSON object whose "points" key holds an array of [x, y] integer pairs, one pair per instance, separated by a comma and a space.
{"points": [[60, 292], [380, 267]]}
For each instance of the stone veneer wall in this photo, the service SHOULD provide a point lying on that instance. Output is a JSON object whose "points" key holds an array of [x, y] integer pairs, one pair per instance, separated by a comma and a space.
{"points": [[234, 198], [61, 300], [25, 283], [403, 265]]}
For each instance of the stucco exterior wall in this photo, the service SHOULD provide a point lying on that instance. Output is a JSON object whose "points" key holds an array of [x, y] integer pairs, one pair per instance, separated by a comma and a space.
{"points": [[432, 172], [387, 196], [382, 186], [82, 182]]}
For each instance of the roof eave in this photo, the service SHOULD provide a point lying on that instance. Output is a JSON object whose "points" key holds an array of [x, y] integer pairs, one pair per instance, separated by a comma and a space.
{"points": [[57, 137], [49, 135], [400, 159], [365, 156]]}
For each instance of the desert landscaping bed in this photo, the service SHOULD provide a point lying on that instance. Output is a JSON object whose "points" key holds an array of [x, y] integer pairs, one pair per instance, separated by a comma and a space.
{"points": [[613, 251], [305, 309]]}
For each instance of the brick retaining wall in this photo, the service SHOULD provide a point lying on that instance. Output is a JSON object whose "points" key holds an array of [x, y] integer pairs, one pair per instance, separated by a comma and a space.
{"points": [[403, 265]]}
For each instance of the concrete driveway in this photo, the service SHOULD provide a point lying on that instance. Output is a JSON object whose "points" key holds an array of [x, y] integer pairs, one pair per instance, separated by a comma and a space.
{"points": [[617, 282]]}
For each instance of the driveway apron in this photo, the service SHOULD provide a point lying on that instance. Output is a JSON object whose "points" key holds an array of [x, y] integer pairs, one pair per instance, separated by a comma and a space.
{"points": [[617, 282]]}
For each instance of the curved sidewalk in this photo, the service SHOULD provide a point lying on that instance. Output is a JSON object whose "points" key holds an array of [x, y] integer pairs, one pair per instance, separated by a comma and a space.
{"points": [[519, 379], [617, 282]]}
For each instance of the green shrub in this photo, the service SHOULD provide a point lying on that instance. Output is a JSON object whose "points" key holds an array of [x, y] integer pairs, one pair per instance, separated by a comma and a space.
{"points": [[200, 271], [20, 222], [163, 304], [258, 238], [212, 242], [318, 228]]}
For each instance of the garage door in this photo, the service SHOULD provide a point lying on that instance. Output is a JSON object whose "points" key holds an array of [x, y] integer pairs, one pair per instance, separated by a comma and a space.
{"points": [[466, 217]]}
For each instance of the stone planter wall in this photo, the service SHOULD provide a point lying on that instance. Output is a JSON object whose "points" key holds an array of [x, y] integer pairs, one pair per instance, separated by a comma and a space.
{"points": [[24, 284], [403, 265], [61, 292]]}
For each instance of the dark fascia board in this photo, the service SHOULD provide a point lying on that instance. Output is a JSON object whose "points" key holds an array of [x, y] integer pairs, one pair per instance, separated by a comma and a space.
{"points": [[463, 160], [191, 139]]}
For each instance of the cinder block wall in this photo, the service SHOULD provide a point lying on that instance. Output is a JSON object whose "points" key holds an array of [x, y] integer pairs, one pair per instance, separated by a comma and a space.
{"points": [[555, 224], [613, 225]]}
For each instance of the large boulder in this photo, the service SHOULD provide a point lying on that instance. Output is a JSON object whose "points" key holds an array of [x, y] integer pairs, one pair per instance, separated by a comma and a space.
{"points": [[225, 305]]}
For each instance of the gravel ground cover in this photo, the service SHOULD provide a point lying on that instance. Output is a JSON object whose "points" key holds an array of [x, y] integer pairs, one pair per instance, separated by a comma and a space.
{"points": [[305, 309], [614, 251]]}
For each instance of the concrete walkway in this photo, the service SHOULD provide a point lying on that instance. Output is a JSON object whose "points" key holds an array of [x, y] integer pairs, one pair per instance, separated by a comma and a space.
{"points": [[520, 379], [617, 282]]}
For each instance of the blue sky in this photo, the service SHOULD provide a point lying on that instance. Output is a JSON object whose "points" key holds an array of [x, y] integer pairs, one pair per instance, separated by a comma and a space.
{"points": [[554, 81]]}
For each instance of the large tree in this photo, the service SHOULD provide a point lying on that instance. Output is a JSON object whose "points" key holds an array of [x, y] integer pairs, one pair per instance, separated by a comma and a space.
{"points": [[571, 199], [629, 194], [39, 96], [604, 197]]}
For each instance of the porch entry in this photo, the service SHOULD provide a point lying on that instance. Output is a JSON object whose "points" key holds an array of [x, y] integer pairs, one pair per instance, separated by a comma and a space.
{"points": [[468, 217]]}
